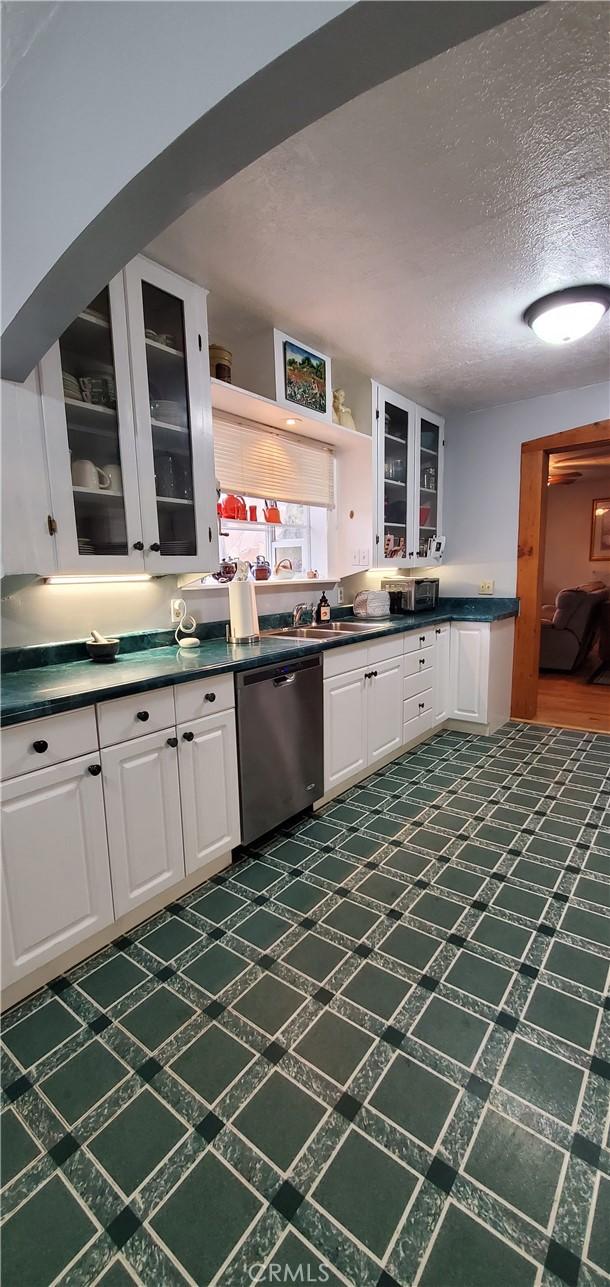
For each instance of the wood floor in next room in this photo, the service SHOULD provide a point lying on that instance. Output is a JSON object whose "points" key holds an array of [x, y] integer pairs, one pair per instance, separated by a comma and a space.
{"points": [[568, 701], [377, 1043]]}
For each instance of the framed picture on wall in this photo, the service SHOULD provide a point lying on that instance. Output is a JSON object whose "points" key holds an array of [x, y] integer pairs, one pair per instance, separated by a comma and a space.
{"points": [[600, 531], [302, 377]]}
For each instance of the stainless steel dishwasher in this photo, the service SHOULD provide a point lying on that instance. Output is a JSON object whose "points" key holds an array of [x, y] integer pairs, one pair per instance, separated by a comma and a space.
{"points": [[280, 742]]}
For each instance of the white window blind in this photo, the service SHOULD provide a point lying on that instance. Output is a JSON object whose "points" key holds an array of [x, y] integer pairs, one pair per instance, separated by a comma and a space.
{"points": [[256, 461]]}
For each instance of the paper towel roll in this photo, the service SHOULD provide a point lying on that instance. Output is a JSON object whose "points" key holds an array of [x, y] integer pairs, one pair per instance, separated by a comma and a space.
{"points": [[242, 609]]}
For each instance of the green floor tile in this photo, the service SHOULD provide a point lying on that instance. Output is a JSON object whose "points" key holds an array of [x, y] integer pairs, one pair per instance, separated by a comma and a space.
{"points": [[557, 827], [453, 1031], [334, 1046], [382, 888], [593, 891], [519, 1166], [415, 1098], [366, 1190], [599, 863], [464, 804], [432, 841], [363, 846], [536, 873], [279, 1119], [466, 1253], [257, 876], [582, 967], [512, 940], [345, 813], [461, 882], [218, 904], [550, 1083], [348, 918], [262, 928], [299, 1264], [33, 1038], [215, 969], [479, 856], [599, 1243], [83, 1080], [409, 864], [410, 946], [334, 869], [109, 982], [269, 1004], [408, 810], [514, 818], [301, 896], [315, 957], [562, 1015], [503, 837], [320, 833], [212, 1062], [522, 902], [439, 911], [542, 847], [170, 939], [588, 925], [136, 1140], [43, 1236], [377, 990], [368, 799], [157, 1018], [448, 821], [564, 809], [479, 977], [380, 825], [292, 852], [193, 1221], [17, 1148]]}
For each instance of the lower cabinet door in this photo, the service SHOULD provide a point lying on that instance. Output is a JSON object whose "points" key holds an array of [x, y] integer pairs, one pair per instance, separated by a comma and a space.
{"points": [[345, 748], [384, 709], [142, 796], [442, 680], [55, 875], [209, 788], [469, 670]]}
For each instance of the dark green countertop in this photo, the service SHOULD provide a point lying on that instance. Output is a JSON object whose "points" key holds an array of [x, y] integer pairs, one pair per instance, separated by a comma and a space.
{"points": [[30, 693]]}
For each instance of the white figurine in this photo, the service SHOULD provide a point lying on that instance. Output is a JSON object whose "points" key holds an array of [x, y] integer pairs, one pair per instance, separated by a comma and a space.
{"points": [[342, 414]]}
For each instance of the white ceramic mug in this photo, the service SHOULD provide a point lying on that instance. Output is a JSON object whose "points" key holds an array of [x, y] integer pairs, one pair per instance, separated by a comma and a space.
{"points": [[87, 474], [115, 476]]}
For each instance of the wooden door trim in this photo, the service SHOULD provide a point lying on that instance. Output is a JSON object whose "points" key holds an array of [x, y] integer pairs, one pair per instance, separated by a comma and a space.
{"points": [[530, 554]]}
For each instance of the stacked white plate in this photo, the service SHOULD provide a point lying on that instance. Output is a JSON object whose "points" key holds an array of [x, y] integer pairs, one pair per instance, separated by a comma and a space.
{"points": [[72, 388]]}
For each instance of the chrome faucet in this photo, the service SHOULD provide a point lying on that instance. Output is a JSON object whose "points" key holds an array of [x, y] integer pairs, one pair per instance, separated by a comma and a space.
{"points": [[297, 612]]}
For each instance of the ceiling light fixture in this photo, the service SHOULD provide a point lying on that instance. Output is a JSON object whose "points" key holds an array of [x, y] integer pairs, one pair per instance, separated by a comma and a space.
{"points": [[567, 315]]}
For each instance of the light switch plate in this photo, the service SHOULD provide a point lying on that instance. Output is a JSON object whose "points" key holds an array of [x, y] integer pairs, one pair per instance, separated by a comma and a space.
{"points": [[487, 587]]}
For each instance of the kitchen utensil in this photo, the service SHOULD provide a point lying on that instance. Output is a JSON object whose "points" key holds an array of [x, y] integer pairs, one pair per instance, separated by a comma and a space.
{"points": [[252, 514], [102, 649], [87, 474], [234, 507], [284, 570], [227, 571], [271, 512], [115, 476]]}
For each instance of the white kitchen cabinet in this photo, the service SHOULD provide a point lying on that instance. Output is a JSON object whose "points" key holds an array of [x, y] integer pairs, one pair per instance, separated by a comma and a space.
{"points": [[469, 670], [142, 797], [56, 888], [408, 478], [345, 732], [384, 714], [427, 481], [209, 788], [442, 673], [28, 543], [168, 342]]}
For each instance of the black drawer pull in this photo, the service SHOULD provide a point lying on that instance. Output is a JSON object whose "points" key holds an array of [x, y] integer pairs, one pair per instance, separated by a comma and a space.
{"points": [[422, 661], [94, 770], [41, 746], [210, 697], [138, 545], [438, 630], [172, 741], [143, 716], [188, 737], [155, 546], [421, 705], [422, 638]]}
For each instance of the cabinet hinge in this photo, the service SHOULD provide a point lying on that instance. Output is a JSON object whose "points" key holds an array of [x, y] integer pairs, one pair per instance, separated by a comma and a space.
{"points": [[51, 524], [200, 343]]}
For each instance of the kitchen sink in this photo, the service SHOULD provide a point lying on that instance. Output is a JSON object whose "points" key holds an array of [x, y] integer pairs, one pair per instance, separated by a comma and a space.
{"points": [[324, 632]]}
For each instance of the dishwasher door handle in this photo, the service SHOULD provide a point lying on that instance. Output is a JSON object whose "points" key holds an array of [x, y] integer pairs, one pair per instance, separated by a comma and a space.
{"points": [[283, 680]]}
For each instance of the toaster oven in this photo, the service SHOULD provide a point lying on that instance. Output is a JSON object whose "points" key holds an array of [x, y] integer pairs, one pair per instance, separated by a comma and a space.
{"points": [[412, 593]]}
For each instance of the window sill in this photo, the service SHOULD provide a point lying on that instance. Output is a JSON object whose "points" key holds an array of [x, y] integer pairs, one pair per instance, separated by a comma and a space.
{"points": [[194, 585]]}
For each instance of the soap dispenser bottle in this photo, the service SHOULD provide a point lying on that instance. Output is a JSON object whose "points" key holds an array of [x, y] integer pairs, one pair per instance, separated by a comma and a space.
{"points": [[323, 609]]}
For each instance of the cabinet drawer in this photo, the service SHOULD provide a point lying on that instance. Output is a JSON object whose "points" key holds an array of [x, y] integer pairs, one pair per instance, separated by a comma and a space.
{"points": [[340, 660], [417, 724], [383, 649], [414, 684], [204, 697], [42, 742], [417, 663], [417, 705], [418, 639], [127, 717]]}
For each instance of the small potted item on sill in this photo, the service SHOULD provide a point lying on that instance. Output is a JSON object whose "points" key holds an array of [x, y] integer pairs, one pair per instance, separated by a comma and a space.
{"points": [[284, 570], [272, 513], [262, 568]]}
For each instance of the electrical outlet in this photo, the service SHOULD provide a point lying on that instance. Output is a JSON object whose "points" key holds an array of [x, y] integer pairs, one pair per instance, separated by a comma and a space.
{"points": [[364, 558], [355, 558], [176, 609], [486, 587]]}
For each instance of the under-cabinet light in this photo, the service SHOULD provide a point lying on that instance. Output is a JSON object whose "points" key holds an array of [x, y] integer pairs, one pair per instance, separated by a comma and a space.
{"points": [[99, 578]]}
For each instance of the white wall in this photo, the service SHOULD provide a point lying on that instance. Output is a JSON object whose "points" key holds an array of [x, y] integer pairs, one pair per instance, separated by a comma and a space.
{"points": [[568, 536], [482, 464]]}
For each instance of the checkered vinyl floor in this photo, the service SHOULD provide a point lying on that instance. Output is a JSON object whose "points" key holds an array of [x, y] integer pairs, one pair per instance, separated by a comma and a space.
{"points": [[378, 1044]]}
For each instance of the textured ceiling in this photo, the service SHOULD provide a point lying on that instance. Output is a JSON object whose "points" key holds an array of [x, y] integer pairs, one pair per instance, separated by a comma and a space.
{"points": [[407, 231]]}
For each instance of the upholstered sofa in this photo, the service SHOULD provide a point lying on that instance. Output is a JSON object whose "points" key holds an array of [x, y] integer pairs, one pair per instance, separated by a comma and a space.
{"points": [[569, 626]]}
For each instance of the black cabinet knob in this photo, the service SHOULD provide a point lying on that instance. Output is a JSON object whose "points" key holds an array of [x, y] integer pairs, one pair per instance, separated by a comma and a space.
{"points": [[138, 545], [41, 746], [421, 706], [95, 770], [422, 661], [422, 638], [210, 697], [188, 737], [143, 716], [172, 741], [155, 546], [438, 630]]}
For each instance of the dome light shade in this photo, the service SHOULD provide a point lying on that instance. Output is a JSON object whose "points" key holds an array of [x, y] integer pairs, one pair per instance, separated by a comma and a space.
{"points": [[567, 315]]}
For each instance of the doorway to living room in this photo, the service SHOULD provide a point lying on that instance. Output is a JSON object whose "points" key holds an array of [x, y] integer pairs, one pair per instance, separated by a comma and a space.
{"points": [[561, 672]]}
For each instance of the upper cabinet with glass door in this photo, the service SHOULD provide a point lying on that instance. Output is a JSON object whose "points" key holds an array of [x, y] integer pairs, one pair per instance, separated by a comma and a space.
{"points": [[169, 346], [408, 479], [87, 408], [428, 479]]}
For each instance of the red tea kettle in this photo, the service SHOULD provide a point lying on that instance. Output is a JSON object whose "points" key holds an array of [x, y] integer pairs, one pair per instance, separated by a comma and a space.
{"points": [[234, 507]]}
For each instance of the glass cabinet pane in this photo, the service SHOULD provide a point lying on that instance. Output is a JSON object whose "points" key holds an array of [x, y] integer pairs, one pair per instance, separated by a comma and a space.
{"points": [[89, 387], [395, 457], [170, 420], [428, 483]]}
